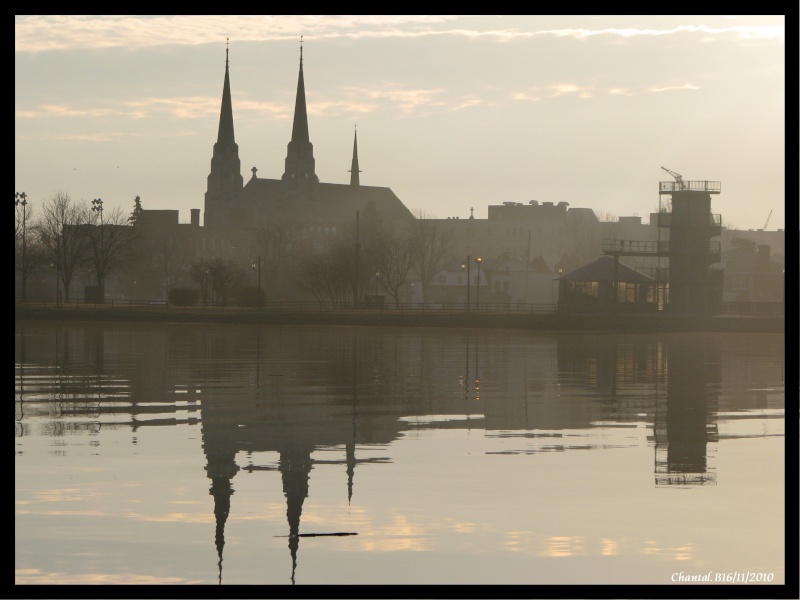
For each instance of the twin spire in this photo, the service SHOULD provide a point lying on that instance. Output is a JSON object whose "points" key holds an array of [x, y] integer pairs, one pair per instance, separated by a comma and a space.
{"points": [[300, 167]]}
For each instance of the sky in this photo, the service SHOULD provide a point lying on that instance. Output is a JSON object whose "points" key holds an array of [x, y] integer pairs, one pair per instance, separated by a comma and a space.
{"points": [[453, 113]]}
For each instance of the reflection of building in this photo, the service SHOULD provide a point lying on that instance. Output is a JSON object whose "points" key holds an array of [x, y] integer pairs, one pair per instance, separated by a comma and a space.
{"points": [[299, 391], [682, 425]]}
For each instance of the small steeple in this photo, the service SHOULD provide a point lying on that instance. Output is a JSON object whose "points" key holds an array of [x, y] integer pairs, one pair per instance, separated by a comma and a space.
{"points": [[354, 179], [300, 151]]}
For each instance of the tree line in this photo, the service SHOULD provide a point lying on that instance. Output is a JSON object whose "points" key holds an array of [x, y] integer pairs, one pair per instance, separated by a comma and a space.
{"points": [[65, 238]]}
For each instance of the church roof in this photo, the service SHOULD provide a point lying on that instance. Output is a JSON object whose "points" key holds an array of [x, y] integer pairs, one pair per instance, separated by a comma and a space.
{"points": [[328, 202]]}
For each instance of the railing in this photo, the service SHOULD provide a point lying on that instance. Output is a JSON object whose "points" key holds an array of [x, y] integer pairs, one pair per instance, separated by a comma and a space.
{"points": [[755, 309], [668, 187], [389, 307], [636, 247]]}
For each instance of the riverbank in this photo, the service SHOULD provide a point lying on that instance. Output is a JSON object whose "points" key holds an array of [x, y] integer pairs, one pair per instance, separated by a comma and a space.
{"points": [[634, 323]]}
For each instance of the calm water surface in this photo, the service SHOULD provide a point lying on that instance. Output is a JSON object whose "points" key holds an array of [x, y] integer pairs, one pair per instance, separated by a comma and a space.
{"points": [[198, 454]]}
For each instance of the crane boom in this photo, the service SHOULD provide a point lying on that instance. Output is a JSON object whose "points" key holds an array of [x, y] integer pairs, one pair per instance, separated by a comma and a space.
{"points": [[678, 177]]}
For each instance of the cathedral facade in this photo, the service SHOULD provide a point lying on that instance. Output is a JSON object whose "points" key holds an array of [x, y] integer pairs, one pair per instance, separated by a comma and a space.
{"points": [[297, 197]]}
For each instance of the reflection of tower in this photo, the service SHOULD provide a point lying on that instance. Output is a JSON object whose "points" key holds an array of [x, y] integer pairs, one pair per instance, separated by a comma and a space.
{"points": [[295, 466], [681, 428]]}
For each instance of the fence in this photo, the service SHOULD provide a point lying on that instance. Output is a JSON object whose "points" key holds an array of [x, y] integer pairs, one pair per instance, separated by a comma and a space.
{"points": [[303, 307]]}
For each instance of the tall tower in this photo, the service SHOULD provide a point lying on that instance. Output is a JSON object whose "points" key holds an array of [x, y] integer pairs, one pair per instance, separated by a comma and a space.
{"points": [[225, 179], [300, 175], [354, 179], [693, 286]]}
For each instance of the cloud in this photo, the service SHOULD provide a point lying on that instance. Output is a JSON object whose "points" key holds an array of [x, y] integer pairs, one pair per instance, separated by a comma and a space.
{"points": [[36, 33], [670, 88]]}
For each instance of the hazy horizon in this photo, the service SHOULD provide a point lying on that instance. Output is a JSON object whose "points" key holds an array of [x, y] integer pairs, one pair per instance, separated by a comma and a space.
{"points": [[453, 112]]}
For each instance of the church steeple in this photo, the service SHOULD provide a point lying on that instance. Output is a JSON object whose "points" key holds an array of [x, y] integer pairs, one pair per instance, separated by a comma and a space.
{"points": [[225, 179], [354, 179], [300, 169]]}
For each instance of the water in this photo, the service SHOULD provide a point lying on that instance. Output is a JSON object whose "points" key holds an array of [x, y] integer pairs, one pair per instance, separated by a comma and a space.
{"points": [[206, 454]]}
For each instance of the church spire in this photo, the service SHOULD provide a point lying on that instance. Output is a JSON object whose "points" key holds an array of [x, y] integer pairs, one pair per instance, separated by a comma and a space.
{"points": [[225, 179], [354, 171], [226, 135], [300, 170]]}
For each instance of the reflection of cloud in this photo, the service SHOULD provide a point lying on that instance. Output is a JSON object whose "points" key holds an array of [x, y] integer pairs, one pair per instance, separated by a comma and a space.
{"points": [[176, 517], [399, 535], [66, 495], [463, 527], [652, 548], [557, 546], [521, 541], [38, 577], [610, 547]]}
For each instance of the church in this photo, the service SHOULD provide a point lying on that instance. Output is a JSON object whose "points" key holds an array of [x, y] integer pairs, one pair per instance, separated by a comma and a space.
{"points": [[298, 197]]}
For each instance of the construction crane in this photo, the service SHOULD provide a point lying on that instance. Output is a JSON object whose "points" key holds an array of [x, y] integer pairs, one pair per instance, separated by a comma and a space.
{"points": [[767, 221], [678, 177]]}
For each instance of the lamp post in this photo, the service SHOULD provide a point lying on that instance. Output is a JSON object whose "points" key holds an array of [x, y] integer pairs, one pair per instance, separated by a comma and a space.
{"points": [[466, 264], [377, 276], [478, 283], [257, 265], [21, 198], [97, 207], [205, 289]]}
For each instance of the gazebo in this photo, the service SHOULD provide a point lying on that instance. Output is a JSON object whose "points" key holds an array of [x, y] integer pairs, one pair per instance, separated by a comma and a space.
{"points": [[606, 285]]}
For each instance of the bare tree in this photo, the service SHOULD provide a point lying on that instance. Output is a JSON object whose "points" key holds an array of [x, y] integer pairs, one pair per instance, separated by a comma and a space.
{"points": [[219, 279], [110, 239], [171, 258], [59, 229], [328, 274], [393, 257], [432, 248], [278, 246]]}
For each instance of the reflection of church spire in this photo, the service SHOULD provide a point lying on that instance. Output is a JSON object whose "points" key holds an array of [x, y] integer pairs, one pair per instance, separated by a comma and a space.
{"points": [[221, 490], [295, 466], [221, 469], [350, 450]]}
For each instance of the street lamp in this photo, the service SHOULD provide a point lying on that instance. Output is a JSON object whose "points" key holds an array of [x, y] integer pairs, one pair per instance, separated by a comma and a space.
{"points": [[466, 264], [257, 264], [377, 275], [478, 283], [205, 289], [97, 207], [22, 198]]}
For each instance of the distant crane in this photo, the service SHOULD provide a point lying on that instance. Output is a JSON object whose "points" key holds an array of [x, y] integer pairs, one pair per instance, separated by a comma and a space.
{"points": [[678, 177], [767, 221]]}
